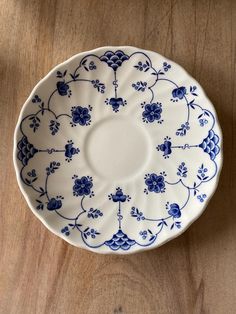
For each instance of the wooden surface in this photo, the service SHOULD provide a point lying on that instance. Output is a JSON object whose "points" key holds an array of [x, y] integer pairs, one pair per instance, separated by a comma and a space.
{"points": [[40, 273]]}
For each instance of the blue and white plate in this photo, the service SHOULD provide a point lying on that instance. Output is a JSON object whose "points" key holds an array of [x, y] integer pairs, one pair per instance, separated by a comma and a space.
{"points": [[117, 150]]}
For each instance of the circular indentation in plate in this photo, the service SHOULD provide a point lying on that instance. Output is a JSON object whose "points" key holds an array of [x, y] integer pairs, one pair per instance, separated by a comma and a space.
{"points": [[116, 148]]}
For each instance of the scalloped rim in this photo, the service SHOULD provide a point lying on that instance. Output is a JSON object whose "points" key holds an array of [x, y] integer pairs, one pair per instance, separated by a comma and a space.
{"points": [[45, 222]]}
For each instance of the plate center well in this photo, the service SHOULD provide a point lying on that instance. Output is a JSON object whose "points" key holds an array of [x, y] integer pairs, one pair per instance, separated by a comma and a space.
{"points": [[117, 148]]}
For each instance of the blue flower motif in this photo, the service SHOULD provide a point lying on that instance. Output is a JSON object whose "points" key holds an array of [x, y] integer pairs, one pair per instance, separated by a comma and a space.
{"points": [[54, 204], [202, 172], [174, 210], [176, 224], [54, 127], [52, 167], [179, 92], [166, 66], [66, 231], [152, 112], [80, 115], [36, 99], [143, 234], [120, 241], [93, 233], [94, 213], [143, 66], [183, 129], [114, 59], [202, 122], [201, 197], [32, 173], [90, 233], [209, 144], [92, 66], [116, 103], [34, 123], [70, 150], [182, 170], [26, 150], [193, 90], [62, 88], [119, 196], [165, 147], [155, 183], [137, 214], [40, 205], [99, 86], [32, 177], [140, 86], [82, 186]]}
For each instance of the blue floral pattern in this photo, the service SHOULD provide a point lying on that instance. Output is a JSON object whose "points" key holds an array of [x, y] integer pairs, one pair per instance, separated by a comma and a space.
{"points": [[80, 115], [152, 112], [165, 147], [82, 186], [140, 86], [62, 88], [201, 197], [174, 210], [54, 204], [54, 127], [115, 103], [179, 92], [70, 150], [94, 213], [143, 66], [182, 170], [155, 183], [36, 99], [119, 196], [84, 218]]}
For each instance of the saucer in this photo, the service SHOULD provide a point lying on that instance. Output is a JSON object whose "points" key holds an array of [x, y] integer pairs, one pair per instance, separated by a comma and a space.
{"points": [[117, 150]]}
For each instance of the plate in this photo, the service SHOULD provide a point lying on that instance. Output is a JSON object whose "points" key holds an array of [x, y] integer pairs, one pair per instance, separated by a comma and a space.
{"points": [[117, 150]]}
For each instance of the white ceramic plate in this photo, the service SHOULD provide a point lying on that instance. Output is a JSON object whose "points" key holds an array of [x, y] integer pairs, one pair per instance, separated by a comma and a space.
{"points": [[117, 150]]}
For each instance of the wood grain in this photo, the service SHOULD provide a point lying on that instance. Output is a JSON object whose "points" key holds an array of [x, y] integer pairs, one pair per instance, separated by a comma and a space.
{"points": [[40, 273]]}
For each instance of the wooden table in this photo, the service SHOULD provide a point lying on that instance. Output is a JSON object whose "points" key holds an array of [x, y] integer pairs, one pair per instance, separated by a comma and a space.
{"points": [[40, 273]]}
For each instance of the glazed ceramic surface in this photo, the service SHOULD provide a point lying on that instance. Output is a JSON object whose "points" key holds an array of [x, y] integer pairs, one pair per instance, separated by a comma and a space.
{"points": [[117, 150]]}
